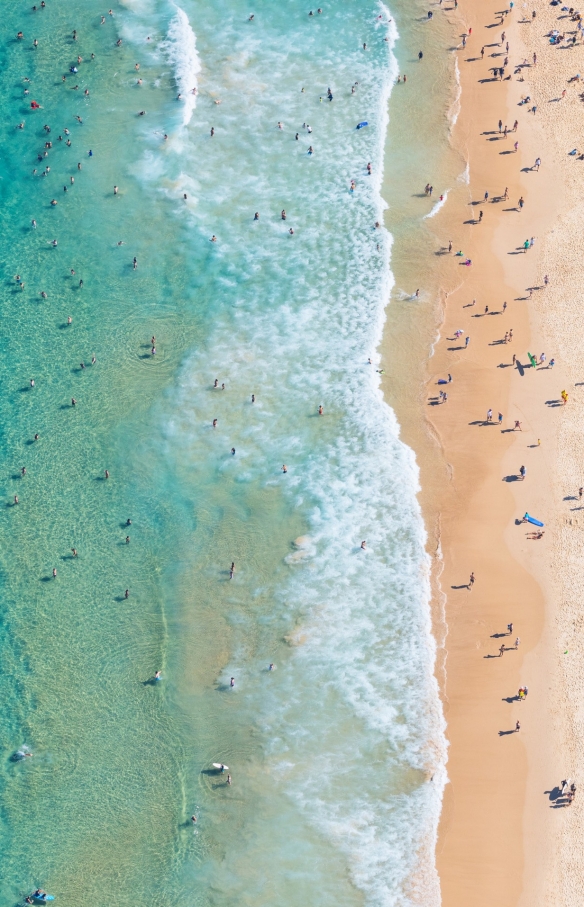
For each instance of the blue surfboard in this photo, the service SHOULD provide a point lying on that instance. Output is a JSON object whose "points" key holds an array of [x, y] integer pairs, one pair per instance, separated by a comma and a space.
{"points": [[41, 898], [531, 519], [360, 125]]}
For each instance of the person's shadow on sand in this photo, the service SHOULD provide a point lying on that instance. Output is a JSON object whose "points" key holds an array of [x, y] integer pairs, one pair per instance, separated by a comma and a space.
{"points": [[557, 799]]}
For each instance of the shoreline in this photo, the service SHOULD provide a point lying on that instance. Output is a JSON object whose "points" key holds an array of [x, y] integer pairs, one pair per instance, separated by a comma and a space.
{"points": [[494, 837]]}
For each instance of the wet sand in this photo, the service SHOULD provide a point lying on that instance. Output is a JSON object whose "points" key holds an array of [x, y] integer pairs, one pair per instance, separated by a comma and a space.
{"points": [[505, 835]]}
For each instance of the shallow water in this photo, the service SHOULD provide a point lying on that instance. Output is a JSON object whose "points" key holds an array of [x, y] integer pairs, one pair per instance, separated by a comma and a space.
{"points": [[337, 755]]}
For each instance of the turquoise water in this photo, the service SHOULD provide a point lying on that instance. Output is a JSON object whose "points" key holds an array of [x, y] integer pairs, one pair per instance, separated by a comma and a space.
{"points": [[337, 755]]}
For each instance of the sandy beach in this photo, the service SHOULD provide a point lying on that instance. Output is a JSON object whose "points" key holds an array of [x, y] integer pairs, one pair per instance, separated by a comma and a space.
{"points": [[506, 834]]}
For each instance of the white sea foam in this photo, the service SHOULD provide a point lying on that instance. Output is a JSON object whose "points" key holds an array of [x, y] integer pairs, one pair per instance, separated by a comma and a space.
{"points": [[180, 47], [351, 725], [464, 177], [455, 107], [436, 207]]}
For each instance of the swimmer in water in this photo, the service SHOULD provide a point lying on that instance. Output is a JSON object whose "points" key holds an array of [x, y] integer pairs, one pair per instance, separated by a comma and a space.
{"points": [[158, 675], [284, 468], [232, 682]]}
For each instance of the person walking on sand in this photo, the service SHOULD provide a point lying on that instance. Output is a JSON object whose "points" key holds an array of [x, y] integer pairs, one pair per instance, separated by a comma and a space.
{"points": [[522, 472], [509, 629], [471, 582], [517, 425], [517, 641], [501, 649], [517, 727]]}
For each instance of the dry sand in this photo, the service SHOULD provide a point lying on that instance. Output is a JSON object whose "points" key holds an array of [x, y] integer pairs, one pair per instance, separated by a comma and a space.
{"points": [[505, 836]]}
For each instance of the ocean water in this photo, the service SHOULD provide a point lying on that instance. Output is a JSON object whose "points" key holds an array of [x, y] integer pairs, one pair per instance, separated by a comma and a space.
{"points": [[337, 755]]}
